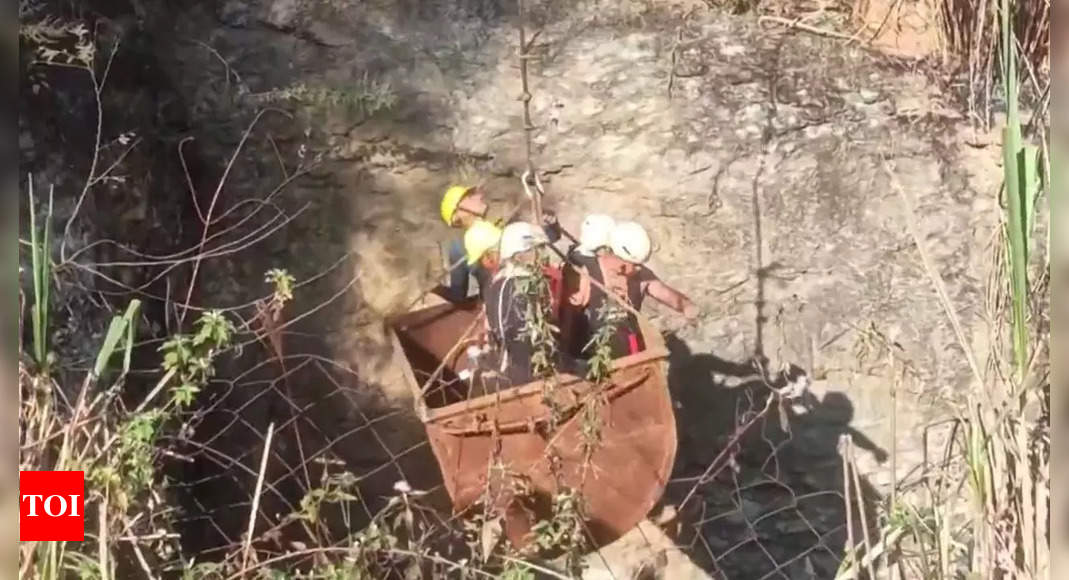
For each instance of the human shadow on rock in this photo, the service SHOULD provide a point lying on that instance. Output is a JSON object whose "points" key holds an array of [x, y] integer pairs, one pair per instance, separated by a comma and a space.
{"points": [[767, 502]]}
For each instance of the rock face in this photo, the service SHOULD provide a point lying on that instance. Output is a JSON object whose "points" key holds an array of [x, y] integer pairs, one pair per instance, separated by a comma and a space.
{"points": [[234, 13], [281, 14], [776, 172], [644, 552]]}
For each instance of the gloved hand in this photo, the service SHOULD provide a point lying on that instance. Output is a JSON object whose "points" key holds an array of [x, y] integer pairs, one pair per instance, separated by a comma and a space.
{"points": [[551, 226]]}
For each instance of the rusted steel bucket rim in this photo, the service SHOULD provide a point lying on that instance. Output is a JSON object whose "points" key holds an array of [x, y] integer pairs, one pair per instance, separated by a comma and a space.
{"points": [[486, 427], [486, 401]]}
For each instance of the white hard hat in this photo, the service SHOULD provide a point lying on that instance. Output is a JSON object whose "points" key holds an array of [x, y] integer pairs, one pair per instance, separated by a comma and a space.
{"points": [[630, 242], [595, 232], [520, 237]]}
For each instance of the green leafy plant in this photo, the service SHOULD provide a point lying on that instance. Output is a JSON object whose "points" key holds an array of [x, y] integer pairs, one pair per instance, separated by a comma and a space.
{"points": [[610, 317], [282, 282], [368, 97], [540, 332], [122, 328], [1021, 180], [190, 357], [129, 469], [337, 488], [538, 327], [40, 262], [564, 530]]}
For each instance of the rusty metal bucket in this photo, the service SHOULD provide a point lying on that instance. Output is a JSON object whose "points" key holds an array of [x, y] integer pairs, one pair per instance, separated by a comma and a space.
{"points": [[620, 481]]}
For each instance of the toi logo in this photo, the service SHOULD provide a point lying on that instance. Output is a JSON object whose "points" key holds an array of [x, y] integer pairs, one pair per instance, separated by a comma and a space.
{"points": [[51, 506]]}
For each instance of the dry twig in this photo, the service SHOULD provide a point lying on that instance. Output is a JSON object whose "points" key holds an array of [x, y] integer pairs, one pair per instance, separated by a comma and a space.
{"points": [[246, 552]]}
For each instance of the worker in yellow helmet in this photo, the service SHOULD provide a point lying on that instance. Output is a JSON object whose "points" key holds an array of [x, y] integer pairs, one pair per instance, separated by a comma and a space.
{"points": [[462, 207], [481, 255]]}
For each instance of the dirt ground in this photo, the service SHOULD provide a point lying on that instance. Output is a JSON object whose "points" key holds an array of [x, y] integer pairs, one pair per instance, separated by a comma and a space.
{"points": [[777, 171]]}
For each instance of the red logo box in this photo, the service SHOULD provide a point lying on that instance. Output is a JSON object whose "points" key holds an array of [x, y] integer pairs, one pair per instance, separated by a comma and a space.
{"points": [[51, 506]]}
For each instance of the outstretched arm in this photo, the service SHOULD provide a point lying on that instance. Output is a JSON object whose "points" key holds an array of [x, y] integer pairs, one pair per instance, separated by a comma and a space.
{"points": [[867, 444], [669, 296]]}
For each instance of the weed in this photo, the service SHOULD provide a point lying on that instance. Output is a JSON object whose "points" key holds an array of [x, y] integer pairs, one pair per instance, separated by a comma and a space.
{"points": [[367, 98], [564, 531], [41, 261], [610, 317], [60, 42], [283, 285], [1021, 179], [515, 570], [117, 449], [600, 347], [996, 449], [337, 489], [541, 333], [971, 31], [538, 327], [190, 356]]}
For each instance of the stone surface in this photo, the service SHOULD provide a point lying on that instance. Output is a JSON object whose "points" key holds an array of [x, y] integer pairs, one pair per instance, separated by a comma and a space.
{"points": [[235, 13], [281, 14], [645, 552], [326, 34]]}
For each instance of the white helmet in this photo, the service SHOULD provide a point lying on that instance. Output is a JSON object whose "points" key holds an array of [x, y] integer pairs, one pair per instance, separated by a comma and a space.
{"points": [[595, 232], [630, 242], [520, 237]]}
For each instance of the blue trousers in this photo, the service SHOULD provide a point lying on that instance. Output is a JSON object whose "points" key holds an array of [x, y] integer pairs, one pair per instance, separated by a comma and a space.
{"points": [[458, 276]]}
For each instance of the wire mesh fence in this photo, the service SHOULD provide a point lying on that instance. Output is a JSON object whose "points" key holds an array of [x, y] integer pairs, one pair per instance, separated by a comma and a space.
{"points": [[769, 497], [328, 437]]}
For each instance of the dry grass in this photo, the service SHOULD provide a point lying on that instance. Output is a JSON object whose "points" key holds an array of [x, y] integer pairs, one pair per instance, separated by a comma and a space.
{"points": [[970, 42], [971, 29], [1000, 460], [963, 34]]}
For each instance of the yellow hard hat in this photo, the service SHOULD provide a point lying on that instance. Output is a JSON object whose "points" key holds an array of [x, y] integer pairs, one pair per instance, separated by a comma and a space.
{"points": [[451, 200], [481, 237]]}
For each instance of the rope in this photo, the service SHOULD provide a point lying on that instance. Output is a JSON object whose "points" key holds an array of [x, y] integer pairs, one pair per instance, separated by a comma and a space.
{"points": [[530, 172], [528, 127]]}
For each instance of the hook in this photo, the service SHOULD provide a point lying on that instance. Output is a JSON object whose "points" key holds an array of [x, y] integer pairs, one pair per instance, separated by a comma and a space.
{"points": [[526, 185]]}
